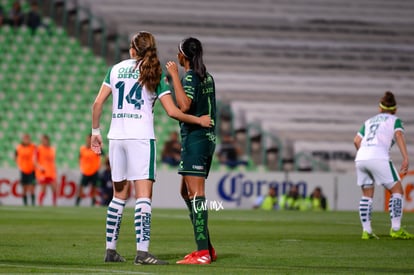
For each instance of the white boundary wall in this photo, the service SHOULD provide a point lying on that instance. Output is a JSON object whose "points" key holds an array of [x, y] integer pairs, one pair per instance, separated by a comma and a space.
{"points": [[230, 190]]}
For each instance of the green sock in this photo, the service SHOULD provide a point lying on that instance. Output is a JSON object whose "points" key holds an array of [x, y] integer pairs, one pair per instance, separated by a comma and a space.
{"points": [[24, 199], [200, 223], [189, 204], [33, 199]]}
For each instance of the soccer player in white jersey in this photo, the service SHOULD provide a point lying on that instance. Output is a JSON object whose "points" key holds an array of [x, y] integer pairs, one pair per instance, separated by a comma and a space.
{"points": [[135, 84], [374, 166]]}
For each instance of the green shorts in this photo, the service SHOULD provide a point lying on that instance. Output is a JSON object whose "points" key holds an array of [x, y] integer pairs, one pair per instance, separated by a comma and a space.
{"points": [[92, 180], [27, 179], [196, 156]]}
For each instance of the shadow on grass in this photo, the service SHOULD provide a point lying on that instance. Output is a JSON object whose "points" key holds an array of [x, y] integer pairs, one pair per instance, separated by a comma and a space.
{"points": [[355, 270], [38, 262]]}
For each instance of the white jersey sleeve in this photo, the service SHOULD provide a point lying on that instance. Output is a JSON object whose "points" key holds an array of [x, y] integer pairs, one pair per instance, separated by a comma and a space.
{"points": [[377, 135], [132, 106]]}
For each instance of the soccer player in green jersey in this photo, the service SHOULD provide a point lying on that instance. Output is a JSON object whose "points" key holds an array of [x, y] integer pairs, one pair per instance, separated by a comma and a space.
{"points": [[134, 84], [374, 166], [195, 94]]}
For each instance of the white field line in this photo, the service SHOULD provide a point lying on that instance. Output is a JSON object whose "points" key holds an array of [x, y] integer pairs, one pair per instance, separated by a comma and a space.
{"points": [[74, 269]]}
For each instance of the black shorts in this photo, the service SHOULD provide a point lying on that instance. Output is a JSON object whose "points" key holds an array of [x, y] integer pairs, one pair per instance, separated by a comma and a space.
{"points": [[196, 156], [92, 180], [27, 179]]}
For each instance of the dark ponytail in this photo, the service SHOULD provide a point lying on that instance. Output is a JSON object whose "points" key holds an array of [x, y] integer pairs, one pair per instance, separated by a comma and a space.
{"points": [[388, 102], [192, 49]]}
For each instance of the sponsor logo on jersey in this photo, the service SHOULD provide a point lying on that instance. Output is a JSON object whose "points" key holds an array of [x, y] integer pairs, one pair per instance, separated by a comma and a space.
{"points": [[126, 115], [128, 73], [198, 167]]}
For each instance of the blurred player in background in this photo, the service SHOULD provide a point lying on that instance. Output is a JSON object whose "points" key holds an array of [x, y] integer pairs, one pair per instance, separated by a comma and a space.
{"points": [[172, 150], [195, 95], [135, 84], [46, 168], [317, 200], [107, 190], [374, 166], [89, 164], [25, 157], [268, 201]]}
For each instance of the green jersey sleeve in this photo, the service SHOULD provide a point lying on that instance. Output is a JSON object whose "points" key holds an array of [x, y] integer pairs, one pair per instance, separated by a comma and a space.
{"points": [[398, 124], [107, 79], [362, 130], [163, 86]]}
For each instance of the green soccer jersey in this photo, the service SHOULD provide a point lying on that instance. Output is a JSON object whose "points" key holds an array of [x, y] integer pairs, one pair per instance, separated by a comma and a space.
{"points": [[203, 102]]}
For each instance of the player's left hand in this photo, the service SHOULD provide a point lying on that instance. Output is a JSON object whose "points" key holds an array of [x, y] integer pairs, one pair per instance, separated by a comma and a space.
{"points": [[172, 68]]}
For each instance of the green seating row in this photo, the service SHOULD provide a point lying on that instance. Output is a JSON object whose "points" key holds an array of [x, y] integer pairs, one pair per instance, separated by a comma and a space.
{"points": [[48, 82]]}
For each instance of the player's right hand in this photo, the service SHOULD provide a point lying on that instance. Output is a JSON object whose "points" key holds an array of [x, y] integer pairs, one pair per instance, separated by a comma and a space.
{"points": [[206, 121], [96, 144]]}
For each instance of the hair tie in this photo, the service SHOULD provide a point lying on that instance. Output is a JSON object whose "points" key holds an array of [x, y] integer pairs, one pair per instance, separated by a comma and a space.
{"points": [[392, 108], [180, 47], [135, 45]]}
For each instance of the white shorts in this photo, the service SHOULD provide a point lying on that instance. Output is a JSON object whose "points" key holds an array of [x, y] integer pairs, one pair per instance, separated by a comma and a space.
{"points": [[132, 159], [381, 172]]}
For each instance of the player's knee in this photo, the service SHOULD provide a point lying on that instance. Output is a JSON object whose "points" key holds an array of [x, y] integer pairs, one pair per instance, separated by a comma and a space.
{"points": [[120, 187], [397, 188]]}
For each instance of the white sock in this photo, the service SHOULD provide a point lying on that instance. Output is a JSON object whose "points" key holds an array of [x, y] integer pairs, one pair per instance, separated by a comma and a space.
{"points": [[395, 206], [113, 222], [142, 219], [365, 210]]}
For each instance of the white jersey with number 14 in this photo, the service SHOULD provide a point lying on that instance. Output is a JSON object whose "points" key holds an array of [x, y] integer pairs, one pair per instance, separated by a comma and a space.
{"points": [[132, 104]]}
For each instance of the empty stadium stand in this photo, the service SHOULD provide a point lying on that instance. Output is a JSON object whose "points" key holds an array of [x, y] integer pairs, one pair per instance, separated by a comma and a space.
{"points": [[292, 73], [48, 83]]}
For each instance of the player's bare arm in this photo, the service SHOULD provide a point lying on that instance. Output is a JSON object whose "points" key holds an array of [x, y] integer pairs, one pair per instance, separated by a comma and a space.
{"points": [[183, 101], [172, 111], [96, 138], [400, 139], [357, 141]]}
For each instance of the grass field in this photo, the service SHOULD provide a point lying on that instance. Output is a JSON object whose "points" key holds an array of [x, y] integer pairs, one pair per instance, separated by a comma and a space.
{"points": [[72, 240]]}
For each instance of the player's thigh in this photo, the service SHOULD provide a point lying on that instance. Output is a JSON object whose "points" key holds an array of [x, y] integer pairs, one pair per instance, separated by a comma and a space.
{"points": [[27, 178], [95, 179], [141, 159], [84, 180], [363, 173], [385, 173], [117, 160], [196, 158]]}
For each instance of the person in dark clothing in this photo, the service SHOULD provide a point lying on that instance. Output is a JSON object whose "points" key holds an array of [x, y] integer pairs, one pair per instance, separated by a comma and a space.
{"points": [[33, 17], [107, 190]]}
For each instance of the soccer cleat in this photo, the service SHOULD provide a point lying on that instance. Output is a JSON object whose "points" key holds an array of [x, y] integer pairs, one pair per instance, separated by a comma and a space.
{"points": [[401, 234], [143, 258], [211, 251], [213, 254], [113, 256], [197, 257], [189, 255], [367, 236]]}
